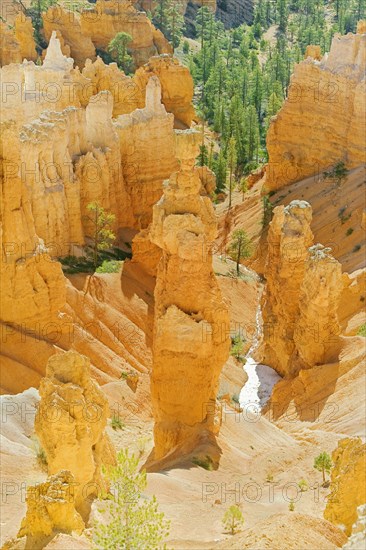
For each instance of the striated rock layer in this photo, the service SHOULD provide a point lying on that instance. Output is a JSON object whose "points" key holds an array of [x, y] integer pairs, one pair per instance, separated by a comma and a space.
{"points": [[322, 122], [301, 327], [348, 483], [70, 425], [191, 321]]}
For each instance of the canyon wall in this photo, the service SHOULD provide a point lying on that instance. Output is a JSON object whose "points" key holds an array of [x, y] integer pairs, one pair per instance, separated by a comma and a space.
{"points": [[322, 121], [301, 327], [235, 12], [191, 343]]}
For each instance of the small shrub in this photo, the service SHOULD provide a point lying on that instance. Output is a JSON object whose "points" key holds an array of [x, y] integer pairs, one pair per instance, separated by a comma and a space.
{"points": [[124, 375], [205, 463], [303, 485], [269, 478], [356, 248], [109, 266], [338, 173], [349, 231], [132, 519], [237, 347], [291, 506], [117, 423], [233, 519], [362, 330], [343, 216], [235, 398], [40, 452], [186, 47], [323, 463], [267, 211]]}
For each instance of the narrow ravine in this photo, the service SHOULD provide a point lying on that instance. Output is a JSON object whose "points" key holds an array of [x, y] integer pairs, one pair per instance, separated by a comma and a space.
{"points": [[261, 378]]}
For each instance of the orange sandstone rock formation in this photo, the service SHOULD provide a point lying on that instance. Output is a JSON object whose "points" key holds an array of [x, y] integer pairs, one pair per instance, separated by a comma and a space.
{"points": [[32, 285], [358, 537], [127, 96], [348, 483], [326, 98], [103, 20], [50, 509], [191, 321], [313, 51], [70, 425], [147, 153], [67, 24], [289, 238], [176, 83], [17, 43], [316, 334], [301, 326]]}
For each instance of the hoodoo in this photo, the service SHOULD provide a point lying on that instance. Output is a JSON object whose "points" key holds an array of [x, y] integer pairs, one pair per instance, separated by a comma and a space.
{"points": [[191, 321]]}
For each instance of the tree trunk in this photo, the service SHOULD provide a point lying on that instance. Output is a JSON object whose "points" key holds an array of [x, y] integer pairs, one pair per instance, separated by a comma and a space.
{"points": [[238, 260]]}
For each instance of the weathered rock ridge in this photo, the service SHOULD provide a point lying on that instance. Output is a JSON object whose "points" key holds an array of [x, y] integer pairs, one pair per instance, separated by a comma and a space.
{"points": [[190, 339], [301, 327], [322, 122]]}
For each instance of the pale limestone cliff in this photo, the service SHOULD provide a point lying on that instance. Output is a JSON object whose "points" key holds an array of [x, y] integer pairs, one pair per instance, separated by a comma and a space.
{"points": [[348, 483], [176, 84], [70, 424], [147, 153], [190, 340], [326, 98], [289, 238], [51, 509], [29, 89]]}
